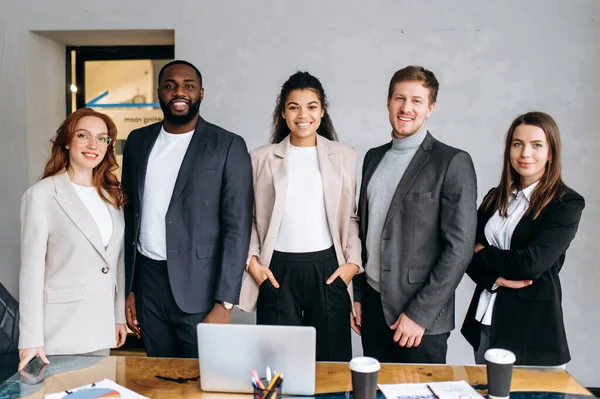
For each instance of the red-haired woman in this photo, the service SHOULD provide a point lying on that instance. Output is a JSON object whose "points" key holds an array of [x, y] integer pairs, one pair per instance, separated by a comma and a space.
{"points": [[524, 228], [72, 276]]}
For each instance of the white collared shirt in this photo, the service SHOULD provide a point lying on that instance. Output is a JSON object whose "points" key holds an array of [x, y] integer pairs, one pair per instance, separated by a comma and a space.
{"points": [[498, 232]]}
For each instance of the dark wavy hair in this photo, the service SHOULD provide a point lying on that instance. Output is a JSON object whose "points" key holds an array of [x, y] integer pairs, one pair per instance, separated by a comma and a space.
{"points": [[300, 81], [551, 183], [103, 177]]}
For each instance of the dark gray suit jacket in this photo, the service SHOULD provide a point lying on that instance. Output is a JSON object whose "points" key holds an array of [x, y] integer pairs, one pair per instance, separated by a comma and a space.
{"points": [[428, 237], [209, 218]]}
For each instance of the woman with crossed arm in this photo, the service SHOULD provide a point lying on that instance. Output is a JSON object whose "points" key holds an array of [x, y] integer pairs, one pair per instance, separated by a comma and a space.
{"points": [[525, 226]]}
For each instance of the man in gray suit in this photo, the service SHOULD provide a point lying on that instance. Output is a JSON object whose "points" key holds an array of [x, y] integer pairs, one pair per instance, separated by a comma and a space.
{"points": [[418, 217]]}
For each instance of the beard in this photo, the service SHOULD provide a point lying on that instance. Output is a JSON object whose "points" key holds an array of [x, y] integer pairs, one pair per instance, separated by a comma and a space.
{"points": [[179, 120]]}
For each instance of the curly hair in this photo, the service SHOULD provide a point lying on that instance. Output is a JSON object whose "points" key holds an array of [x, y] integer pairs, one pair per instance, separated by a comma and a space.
{"points": [[300, 81]]}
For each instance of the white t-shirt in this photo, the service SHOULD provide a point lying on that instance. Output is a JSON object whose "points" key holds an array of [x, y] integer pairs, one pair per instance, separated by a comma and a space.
{"points": [[304, 225], [163, 167], [98, 208]]}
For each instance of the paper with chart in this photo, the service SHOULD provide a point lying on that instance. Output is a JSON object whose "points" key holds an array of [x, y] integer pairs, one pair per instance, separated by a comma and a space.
{"points": [[99, 390], [454, 390], [431, 390]]}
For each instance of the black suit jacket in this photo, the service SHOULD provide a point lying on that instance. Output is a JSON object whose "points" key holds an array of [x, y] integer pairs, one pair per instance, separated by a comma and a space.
{"points": [[527, 321], [209, 218], [428, 237]]}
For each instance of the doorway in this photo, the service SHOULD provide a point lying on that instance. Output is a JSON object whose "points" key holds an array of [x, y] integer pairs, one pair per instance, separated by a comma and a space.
{"points": [[120, 81]]}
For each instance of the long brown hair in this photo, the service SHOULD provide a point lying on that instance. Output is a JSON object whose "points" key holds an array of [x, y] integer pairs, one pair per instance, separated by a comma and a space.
{"points": [[104, 179], [551, 183]]}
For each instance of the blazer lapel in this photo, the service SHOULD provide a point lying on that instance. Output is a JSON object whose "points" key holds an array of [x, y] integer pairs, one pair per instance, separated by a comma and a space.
{"points": [[70, 202], [199, 140], [331, 168], [524, 230], [374, 163], [278, 166], [144, 154], [421, 157], [371, 165]]}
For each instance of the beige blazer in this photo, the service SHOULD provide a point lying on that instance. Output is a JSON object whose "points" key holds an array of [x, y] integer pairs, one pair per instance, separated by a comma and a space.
{"points": [[67, 304], [337, 163]]}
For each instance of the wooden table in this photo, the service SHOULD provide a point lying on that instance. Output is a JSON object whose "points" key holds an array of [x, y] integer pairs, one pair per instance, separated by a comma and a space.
{"points": [[139, 375]]}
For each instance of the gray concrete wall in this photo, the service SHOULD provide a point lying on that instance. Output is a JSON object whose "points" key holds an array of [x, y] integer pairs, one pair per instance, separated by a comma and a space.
{"points": [[494, 60], [14, 157], [45, 98]]}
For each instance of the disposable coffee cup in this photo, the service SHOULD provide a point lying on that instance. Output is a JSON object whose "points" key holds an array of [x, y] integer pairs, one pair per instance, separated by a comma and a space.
{"points": [[499, 366], [365, 371]]}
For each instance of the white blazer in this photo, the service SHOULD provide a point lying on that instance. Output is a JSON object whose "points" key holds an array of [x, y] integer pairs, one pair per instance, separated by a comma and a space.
{"points": [[337, 163], [67, 304]]}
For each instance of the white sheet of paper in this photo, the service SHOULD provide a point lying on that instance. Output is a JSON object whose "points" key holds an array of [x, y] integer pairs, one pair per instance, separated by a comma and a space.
{"points": [[406, 391], [105, 383], [454, 390]]}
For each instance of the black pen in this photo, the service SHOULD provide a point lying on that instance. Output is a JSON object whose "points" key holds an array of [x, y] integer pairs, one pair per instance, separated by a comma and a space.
{"points": [[276, 388]]}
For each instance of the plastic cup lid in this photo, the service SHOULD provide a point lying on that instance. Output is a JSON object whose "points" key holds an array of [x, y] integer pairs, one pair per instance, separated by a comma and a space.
{"points": [[364, 364], [500, 356]]}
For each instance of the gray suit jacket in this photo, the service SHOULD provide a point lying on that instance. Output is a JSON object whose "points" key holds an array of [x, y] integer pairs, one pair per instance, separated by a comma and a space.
{"points": [[428, 236], [67, 304]]}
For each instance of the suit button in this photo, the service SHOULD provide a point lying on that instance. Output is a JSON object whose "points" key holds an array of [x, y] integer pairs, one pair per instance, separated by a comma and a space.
{"points": [[170, 222]]}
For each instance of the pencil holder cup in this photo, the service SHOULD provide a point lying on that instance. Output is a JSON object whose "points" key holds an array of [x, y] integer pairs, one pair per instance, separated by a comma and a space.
{"points": [[273, 393]]}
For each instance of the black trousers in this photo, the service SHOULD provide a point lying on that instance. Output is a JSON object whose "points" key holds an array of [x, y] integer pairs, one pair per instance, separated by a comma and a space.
{"points": [[484, 344], [304, 299], [166, 330], [378, 338]]}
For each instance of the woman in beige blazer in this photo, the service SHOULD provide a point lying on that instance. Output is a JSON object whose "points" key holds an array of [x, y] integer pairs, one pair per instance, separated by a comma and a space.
{"points": [[72, 276], [304, 248]]}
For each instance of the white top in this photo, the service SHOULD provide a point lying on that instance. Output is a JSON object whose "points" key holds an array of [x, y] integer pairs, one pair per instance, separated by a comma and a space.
{"points": [[163, 167], [364, 364], [98, 208], [500, 356], [498, 232], [303, 225]]}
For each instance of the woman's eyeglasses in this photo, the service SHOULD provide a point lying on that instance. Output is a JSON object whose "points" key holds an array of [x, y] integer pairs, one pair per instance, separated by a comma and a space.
{"points": [[85, 137]]}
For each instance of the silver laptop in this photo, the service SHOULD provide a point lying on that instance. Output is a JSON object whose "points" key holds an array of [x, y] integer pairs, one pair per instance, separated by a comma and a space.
{"points": [[228, 352]]}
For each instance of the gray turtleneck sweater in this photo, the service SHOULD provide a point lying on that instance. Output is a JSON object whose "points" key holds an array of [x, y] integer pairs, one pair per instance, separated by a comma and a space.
{"points": [[380, 193]]}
